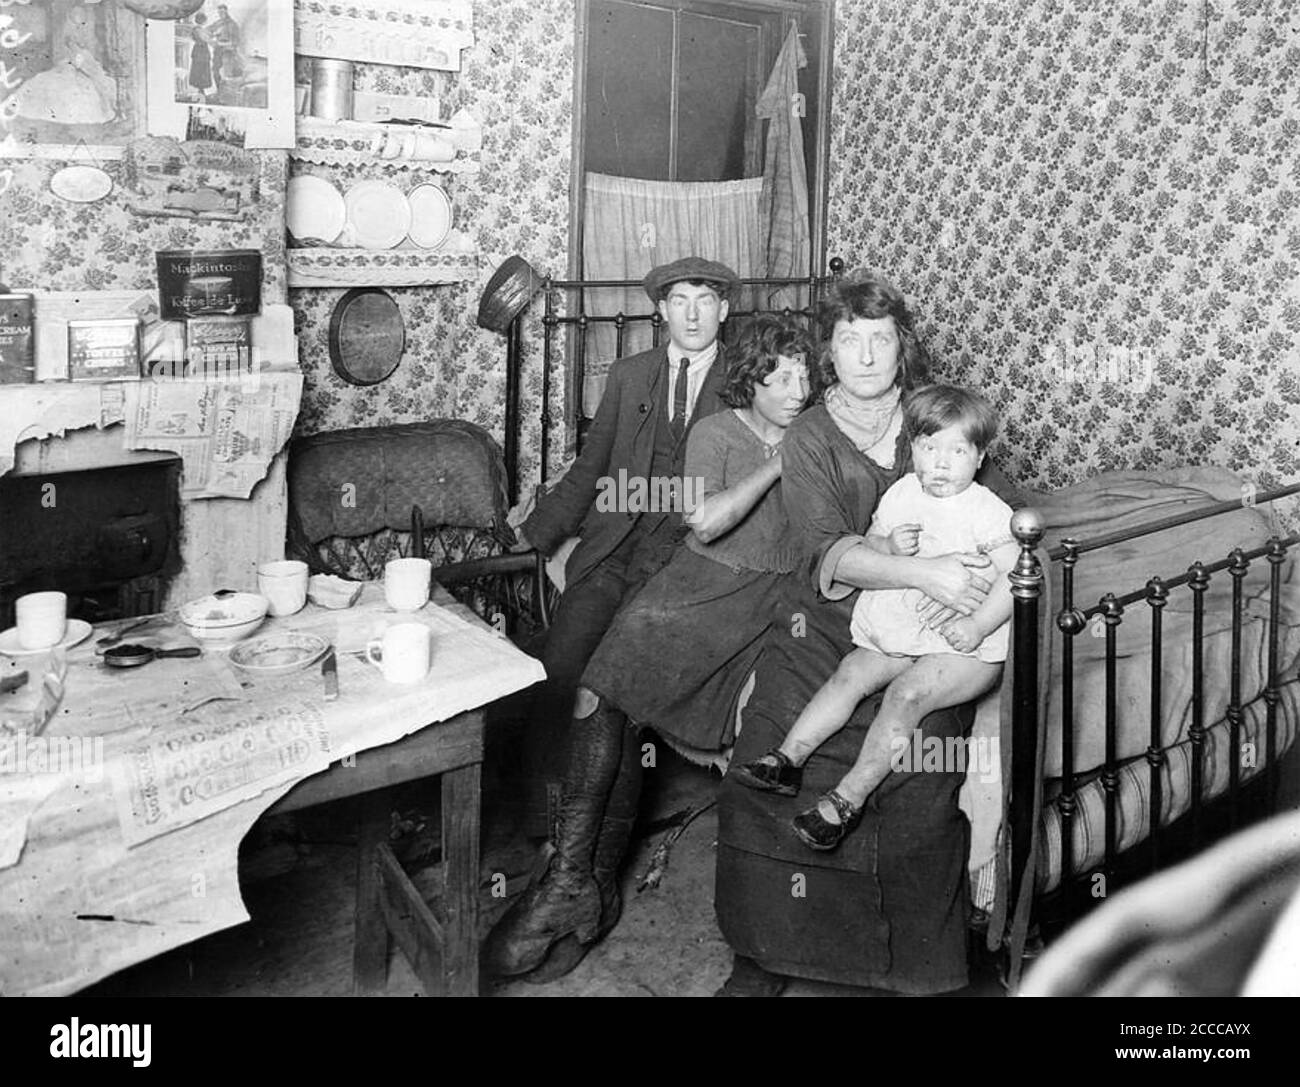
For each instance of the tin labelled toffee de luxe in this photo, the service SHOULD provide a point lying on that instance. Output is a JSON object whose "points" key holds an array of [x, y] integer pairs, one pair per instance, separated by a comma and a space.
{"points": [[209, 283]]}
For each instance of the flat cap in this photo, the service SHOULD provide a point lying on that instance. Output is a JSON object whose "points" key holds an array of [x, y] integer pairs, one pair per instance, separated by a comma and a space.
{"points": [[658, 280]]}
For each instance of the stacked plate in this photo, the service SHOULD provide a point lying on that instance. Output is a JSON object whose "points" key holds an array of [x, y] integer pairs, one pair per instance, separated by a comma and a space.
{"points": [[371, 215], [430, 215], [315, 210]]}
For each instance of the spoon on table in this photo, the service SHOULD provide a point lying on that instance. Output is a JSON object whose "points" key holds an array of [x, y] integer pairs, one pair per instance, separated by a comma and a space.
{"points": [[114, 638]]}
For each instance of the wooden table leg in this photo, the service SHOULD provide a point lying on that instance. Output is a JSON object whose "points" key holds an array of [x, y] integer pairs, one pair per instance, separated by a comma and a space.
{"points": [[370, 949], [460, 849]]}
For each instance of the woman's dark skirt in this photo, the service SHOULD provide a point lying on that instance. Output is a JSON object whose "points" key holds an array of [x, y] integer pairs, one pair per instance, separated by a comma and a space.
{"points": [[677, 656], [888, 908]]}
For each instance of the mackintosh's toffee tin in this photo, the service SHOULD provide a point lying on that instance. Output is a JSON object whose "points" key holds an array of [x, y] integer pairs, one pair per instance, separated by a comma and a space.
{"points": [[207, 283]]}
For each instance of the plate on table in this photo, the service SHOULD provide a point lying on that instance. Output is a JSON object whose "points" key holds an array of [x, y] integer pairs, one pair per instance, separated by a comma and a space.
{"points": [[315, 209], [78, 631], [430, 215], [378, 214], [279, 654]]}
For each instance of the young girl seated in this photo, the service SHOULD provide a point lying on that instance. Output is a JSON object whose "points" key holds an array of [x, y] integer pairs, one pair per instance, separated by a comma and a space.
{"points": [[935, 509]]}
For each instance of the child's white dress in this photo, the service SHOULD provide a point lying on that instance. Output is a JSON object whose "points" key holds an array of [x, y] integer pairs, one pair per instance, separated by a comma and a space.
{"points": [[886, 620]]}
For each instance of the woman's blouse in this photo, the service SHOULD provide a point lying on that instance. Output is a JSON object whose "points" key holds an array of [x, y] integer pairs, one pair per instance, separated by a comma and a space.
{"points": [[720, 452]]}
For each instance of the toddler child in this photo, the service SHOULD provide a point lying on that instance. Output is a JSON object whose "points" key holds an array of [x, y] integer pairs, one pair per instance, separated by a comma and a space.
{"points": [[934, 510]]}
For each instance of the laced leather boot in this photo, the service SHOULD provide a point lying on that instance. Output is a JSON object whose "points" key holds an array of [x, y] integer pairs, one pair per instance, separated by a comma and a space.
{"points": [[611, 848], [566, 900]]}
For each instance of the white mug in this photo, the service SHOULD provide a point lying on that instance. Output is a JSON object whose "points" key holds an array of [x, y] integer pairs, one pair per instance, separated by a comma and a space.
{"points": [[406, 583], [404, 652], [284, 584], [41, 619]]}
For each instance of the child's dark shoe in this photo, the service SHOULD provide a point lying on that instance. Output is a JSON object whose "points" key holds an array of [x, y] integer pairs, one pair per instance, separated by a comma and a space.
{"points": [[771, 773], [818, 832]]}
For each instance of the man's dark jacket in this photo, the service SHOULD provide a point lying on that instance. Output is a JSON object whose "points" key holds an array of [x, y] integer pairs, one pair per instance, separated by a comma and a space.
{"points": [[621, 436]]}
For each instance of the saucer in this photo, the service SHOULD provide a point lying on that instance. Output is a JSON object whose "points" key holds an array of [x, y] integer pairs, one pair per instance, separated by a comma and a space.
{"points": [[78, 631]]}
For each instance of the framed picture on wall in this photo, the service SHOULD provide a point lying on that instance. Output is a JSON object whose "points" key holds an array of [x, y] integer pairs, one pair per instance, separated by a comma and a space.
{"points": [[72, 79], [231, 62]]}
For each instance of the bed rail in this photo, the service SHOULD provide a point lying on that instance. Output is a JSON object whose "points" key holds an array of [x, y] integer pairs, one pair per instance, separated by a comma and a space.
{"points": [[1028, 588]]}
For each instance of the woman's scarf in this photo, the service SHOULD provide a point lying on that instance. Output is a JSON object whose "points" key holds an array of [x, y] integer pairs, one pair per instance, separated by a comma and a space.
{"points": [[864, 423]]}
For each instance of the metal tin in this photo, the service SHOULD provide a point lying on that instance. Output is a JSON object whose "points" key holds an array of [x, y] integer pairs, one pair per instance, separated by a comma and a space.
{"points": [[17, 340], [104, 349], [331, 89], [197, 283]]}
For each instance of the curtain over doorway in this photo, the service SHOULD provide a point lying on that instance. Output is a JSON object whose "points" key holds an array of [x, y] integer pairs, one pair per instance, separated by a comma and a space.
{"points": [[631, 225]]}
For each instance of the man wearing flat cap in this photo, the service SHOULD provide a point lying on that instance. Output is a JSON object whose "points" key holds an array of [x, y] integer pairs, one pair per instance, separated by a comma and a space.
{"points": [[650, 403]]}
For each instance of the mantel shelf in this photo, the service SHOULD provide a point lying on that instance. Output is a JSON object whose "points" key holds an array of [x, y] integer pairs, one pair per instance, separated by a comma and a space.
{"points": [[335, 143], [336, 267]]}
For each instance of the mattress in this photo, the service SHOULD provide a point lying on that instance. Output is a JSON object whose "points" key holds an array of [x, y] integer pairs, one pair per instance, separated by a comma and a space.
{"points": [[1133, 796]]}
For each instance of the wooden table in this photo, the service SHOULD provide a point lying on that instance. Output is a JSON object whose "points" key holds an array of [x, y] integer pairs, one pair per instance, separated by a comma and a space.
{"points": [[440, 940], [98, 888]]}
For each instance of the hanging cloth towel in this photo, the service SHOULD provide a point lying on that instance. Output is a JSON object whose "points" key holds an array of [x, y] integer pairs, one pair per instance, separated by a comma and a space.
{"points": [[783, 206]]}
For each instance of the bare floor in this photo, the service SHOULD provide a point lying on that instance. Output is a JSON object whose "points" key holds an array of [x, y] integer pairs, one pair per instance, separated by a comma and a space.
{"points": [[299, 881]]}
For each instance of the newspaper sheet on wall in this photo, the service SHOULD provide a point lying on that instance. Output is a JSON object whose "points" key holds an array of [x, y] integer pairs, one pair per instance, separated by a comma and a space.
{"points": [[225, 433]]}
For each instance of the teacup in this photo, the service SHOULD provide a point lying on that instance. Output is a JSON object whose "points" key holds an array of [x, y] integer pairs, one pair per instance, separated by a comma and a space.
{"points": [[404, 652], [406, 583], [284, 584], [41, 619]]}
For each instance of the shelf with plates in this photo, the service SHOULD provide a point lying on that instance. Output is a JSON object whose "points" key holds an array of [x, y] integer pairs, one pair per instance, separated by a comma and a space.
{"points": [[400, 147], [334, 266]]}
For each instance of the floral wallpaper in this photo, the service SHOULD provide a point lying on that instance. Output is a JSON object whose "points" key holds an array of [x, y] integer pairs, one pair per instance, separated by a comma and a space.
{"points": [[49, 244], [1093, 205], [1094, 208], [518, 81]]}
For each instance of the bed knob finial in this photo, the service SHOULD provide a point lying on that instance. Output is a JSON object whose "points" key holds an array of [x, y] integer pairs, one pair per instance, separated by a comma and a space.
{"points": [[1027, 527]]}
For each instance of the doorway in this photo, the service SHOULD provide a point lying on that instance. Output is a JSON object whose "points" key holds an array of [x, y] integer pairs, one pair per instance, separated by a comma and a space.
{"points": [[670, 158], [666, 91]]}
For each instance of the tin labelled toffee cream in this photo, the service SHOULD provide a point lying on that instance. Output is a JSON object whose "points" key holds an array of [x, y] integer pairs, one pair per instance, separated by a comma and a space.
{"points": [[331, 89], [17, 341]]}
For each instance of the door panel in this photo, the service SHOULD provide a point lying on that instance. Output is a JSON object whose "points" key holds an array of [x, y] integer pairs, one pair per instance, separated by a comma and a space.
{"points": [[717, 87], [629, 90]]}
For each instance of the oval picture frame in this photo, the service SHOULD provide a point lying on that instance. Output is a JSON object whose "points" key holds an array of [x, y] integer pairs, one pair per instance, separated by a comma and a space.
{"points": [[367, 336]]}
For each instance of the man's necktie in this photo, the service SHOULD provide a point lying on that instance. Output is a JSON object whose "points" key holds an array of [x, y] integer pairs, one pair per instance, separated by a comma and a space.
{"points": [[679, 401]]}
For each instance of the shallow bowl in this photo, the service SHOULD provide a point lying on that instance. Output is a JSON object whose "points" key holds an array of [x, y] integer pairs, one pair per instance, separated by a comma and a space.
{"points": [[224, 618]]}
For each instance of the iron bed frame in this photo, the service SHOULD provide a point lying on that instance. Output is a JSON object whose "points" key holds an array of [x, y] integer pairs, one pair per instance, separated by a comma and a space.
{"points": [[1194, 830]]}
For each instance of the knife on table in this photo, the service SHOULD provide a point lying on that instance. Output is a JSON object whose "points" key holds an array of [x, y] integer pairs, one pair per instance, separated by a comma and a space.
{"points": [[329, 669]]}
